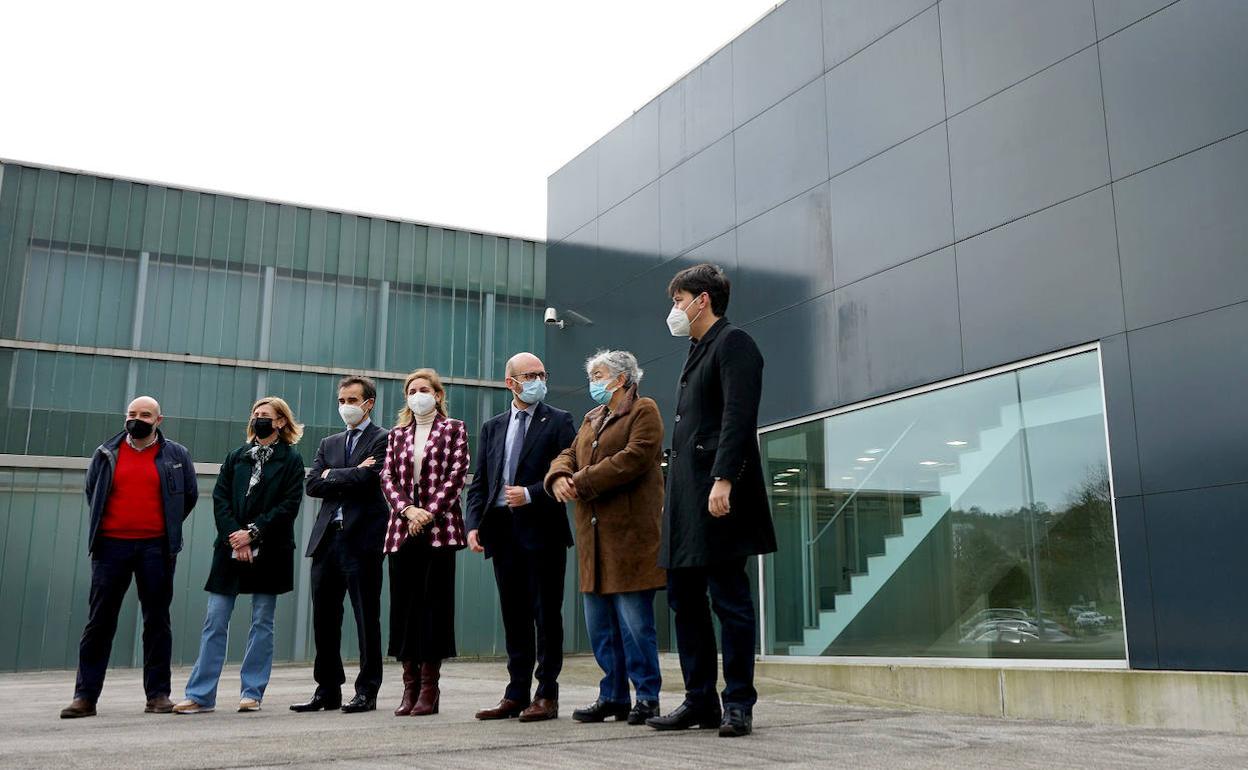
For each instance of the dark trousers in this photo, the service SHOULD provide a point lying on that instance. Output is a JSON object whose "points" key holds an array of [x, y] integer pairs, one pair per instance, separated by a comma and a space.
{"points": [[339, 571], [113, 562], [530, 594], [422, 602], [729, 589]]}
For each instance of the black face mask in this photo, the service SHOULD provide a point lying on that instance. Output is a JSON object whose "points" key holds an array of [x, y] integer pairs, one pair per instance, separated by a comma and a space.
{"points": [[262, 427], [139, 429]]}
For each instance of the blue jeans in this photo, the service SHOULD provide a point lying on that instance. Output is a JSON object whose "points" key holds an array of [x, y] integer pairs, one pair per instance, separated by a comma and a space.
{"points": [[621, 630], [257, 659]]}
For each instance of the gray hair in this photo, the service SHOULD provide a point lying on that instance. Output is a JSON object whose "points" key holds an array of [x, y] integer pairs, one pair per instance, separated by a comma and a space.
{"points": [[615, 362]]}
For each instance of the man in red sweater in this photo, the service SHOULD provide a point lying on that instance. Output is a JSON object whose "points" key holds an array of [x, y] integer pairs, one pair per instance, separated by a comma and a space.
{"points": [[140, 487]]}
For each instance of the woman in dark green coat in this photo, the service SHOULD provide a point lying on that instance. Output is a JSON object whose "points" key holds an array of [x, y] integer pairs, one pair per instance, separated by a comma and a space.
{"points": [[256, 499]]}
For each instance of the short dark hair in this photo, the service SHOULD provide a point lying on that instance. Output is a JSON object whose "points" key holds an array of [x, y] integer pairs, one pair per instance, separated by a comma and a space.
{"points": [[704, 278], [370, 387]]}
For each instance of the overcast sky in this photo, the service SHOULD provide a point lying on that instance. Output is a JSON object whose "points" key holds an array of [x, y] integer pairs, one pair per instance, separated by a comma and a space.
{"points": [[448, 112]]}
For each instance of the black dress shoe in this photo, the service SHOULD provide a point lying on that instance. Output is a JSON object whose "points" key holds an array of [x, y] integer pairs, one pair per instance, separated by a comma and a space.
{"points": [[645, 709], [600, 711], [359, 704], [688, 715], [737, 722], [318, 702]]}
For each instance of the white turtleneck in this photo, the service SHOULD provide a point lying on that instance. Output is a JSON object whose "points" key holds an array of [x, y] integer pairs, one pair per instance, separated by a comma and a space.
{"points": [[424, 424]]}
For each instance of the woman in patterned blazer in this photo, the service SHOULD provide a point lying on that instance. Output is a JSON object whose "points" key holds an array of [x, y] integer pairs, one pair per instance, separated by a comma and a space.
{"points": [[423, 475]]}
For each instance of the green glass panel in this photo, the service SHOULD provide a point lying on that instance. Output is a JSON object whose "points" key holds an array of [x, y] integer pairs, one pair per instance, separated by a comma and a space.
{"points": [[303, 222]]}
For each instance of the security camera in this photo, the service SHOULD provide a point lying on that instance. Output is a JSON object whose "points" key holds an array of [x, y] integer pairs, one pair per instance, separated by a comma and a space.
{"points": [[551, 318]]}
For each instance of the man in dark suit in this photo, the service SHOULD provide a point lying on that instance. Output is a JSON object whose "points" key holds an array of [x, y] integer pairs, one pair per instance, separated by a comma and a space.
{"points": [[514, 521], [715, 512], [346, 549]]}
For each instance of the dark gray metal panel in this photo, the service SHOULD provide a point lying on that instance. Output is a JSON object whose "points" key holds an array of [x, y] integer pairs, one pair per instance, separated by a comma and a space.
{"points": [[898, 329], [886, 94], [1044, 282], [775, 57], [1199, 573], [799, 347], [696, 111], [1183, 232], [1137, 586], [572, 192], [720, 251], [573, 265], [697, 199], [782, 152], [628, 238], [786, 256], [1190, 377], [1113, 15], [1175, 82], [991, 46], [660, 383], [1124, 451], [851, 25], [892, 208], [1037, 143], [628, 157]]}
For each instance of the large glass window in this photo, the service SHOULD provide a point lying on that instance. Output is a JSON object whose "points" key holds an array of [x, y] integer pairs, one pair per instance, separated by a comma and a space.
{"points": [[970, 521]]}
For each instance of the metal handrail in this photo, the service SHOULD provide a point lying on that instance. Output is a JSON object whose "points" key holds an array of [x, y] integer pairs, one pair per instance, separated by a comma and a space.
{"points": [[811, 543]]}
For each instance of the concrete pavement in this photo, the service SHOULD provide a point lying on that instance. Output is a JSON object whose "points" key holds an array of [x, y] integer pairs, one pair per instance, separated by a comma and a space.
{"points": [[797, 726]]}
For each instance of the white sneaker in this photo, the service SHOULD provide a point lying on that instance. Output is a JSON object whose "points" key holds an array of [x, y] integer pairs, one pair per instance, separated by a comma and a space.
{"points": [[189, 706], [248, 704]]}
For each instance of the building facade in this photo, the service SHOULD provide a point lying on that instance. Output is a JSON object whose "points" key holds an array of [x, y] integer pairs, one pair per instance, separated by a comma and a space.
{"points": [[995, 253], [207, 301]]}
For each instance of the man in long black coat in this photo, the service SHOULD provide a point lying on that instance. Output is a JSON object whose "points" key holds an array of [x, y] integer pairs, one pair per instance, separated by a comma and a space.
{"points": [[715, 512]]}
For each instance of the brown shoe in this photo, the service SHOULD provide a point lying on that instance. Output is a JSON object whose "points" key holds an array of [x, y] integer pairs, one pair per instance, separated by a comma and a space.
{"points": [[540, 710], [506, 709], [81, 707], [427, 703], [409, 690], [159, 705]]}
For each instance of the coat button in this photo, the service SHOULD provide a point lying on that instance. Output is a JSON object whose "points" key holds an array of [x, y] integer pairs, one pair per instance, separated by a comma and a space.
{"points": [[594, 445], [684, 383], [594, 521], [677, 418]]}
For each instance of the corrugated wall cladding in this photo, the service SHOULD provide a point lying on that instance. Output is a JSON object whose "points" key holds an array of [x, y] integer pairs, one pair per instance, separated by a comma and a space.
{"points": [[190, 284]]}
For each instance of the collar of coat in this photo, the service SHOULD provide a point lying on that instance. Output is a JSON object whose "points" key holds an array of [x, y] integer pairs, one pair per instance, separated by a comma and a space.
{"points": [[597, 414]]}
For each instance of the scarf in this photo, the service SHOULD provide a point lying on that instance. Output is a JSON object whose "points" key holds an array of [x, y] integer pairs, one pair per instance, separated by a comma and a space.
{"points": [[259, 455]]}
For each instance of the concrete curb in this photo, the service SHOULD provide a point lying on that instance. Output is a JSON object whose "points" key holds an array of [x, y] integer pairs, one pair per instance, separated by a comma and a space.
{"points": [[1214, 701]]}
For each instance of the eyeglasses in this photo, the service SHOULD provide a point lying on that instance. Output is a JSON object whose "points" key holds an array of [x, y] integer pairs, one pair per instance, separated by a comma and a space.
{"points": [[529, 376]]}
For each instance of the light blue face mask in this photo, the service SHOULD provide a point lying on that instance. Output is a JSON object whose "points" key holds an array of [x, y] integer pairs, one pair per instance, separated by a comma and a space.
{"points": [[599, 393], [533, 392]]}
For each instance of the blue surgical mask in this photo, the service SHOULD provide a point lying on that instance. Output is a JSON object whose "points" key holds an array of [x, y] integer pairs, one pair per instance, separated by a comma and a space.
{"points": [[533, 392], [599, 393]]}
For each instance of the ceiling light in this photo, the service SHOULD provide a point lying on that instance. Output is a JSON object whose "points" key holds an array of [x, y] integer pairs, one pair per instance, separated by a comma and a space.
{"points": [[859, 468], [864, 459], [793, 470], [780, 484], [928, 462], [955, 443], [847, 478], [874, 451]]}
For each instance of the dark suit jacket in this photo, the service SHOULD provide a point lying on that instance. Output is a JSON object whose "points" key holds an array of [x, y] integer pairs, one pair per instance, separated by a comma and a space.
{"points": [[357, 490], [543, 522], [716, 435]]}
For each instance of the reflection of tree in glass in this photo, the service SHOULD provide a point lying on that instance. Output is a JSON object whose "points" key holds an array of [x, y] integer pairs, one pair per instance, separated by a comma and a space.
{"points": [[1077, 565]]}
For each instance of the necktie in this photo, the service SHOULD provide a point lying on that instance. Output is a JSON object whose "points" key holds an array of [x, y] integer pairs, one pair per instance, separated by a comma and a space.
{"points": [[352, 436], [513, 457]]}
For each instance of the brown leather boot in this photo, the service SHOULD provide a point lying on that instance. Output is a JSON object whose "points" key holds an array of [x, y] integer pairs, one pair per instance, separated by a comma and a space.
{"points": [[427, 703], [409, 690]]}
